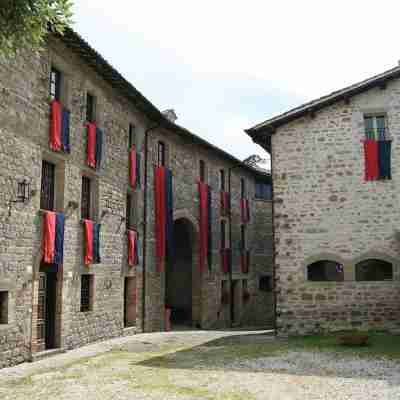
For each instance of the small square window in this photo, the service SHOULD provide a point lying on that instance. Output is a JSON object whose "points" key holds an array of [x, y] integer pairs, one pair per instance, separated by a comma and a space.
{"points": [[265, 284], [3, 308], [87, 282]]}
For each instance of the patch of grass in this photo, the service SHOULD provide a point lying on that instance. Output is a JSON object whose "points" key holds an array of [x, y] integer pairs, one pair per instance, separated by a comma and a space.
{"points": [[380, 345]]}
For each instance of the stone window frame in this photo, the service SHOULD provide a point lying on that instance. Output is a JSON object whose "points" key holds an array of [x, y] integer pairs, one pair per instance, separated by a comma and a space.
{"points": [[9, 286], [92, 294], [95, 195], [350, 269], [376, 112], [58, 64]]}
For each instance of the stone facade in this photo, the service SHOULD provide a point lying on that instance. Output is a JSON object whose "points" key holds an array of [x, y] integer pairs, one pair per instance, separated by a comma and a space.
{"points": [[324, 210], [24, 144]]}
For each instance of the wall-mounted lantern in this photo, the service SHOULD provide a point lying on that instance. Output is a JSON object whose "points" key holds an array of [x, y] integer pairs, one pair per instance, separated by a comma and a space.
{"points": [[24, 194]]}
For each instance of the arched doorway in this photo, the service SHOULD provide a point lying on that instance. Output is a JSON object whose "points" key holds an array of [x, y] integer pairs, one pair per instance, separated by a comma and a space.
{"points": [[181, 276]]}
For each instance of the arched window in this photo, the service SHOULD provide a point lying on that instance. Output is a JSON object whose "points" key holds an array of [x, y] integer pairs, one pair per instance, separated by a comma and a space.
{"points": [[374, 270], [325, 271]]}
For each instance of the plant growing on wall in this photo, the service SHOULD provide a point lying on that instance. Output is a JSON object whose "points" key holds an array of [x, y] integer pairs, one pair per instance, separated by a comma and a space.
{"points": [[25, 23]]}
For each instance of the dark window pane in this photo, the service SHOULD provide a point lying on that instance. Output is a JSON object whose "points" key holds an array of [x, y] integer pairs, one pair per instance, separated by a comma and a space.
{"points": [[325, 270], [374, 270], [380, 126], [47, 186], [243, 236], [132, 136], [243, 188], [223, 235], [130, 211], [55, 84], [265, 284], [90, 108], [86, 198], [86, 292], [4, 307], [222, 179], [263, 191], [202, 167], [161, 154]]}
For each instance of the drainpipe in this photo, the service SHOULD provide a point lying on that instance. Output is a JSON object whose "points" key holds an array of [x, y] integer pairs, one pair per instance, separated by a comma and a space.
{"points": [[146, 145]]}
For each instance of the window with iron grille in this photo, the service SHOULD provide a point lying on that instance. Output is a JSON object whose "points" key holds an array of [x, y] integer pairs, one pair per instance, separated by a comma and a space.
{"points": [[223, 234], [90, 108], [132, 136], [161, 154], [375, 127], [202, 171], [55, 84], [87, 293], [222, 179], [3, 307], [47, 186], [86, 199], [242, 188], [131, 210]]}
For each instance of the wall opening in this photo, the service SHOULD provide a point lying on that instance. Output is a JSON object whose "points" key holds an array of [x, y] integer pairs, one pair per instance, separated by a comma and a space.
{"points": [[129, 302], [180, 280]]}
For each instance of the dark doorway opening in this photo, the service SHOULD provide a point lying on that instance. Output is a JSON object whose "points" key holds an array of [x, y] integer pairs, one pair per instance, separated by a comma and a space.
{"points": [[47, 306], [129, 302], [179, 275]]}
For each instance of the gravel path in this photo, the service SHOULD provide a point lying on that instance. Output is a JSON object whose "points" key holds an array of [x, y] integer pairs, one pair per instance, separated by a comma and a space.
{"points": [[200, 365]]}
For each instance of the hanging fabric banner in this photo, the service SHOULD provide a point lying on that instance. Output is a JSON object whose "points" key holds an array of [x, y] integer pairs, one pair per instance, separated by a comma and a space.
{"points": [[53, 238], [133, 248], [92, 242], [59, 127]]}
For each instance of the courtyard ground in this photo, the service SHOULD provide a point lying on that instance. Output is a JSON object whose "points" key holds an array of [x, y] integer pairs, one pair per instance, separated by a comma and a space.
{"points": [[219, 365]]}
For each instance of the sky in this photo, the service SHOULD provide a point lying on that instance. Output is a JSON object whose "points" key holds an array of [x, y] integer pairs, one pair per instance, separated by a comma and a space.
{"points": [[224, 66]]}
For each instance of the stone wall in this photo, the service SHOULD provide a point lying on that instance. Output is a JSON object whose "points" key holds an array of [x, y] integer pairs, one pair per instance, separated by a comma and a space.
{"points": [[325, 210], [24, 144]]}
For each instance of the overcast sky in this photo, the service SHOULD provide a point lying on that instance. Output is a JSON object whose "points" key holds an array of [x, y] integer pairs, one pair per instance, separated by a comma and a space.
{"points": [[227, 65]]}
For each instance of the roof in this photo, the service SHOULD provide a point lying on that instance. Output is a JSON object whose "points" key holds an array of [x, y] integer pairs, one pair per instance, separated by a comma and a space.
{"points": [[91, 57], [269, 126]]}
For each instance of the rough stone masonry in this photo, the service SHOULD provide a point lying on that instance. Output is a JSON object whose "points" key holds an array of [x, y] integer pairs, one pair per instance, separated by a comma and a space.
{"points": [[113, 287]]}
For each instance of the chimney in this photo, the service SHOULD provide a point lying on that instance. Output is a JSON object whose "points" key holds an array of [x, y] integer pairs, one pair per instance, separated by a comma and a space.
{"points": [[170, 115]]}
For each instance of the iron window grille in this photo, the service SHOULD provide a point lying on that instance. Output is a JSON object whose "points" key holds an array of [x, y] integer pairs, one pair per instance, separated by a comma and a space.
{"points": [[86, 292], [55, 84], [47, 186], [86, 198]]}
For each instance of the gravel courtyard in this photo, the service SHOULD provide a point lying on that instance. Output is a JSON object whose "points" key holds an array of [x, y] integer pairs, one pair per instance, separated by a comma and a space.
{"points": [[201, 365]]}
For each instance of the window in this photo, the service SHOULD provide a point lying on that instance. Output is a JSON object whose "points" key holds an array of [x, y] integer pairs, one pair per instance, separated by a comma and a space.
{"points": [[129, 302], [161, 154], [325, 270], [243, 188], [47, 186], [90, 108], [3, 308], [202, 171], [223, 234], [86, 199], [55, 84], [132, 135], [375, 127], [242, 236], [225, 295], [374, 270], [265, 284], [222, 180], [130, 210], [263, 191], [87, 282]]}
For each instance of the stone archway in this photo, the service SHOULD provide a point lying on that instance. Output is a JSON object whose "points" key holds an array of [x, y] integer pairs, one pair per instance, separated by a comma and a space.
{"points": [[183, 283]]}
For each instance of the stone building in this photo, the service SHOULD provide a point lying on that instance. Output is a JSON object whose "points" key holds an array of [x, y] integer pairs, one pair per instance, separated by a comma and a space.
{"points": [[336, 208], [51, 307]]}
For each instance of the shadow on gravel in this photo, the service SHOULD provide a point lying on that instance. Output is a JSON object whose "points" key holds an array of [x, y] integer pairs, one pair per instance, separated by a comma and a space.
{"points": [[255, 353]]}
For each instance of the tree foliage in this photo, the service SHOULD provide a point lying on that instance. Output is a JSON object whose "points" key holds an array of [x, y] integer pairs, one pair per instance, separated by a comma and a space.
{"points": [[25, 23]]}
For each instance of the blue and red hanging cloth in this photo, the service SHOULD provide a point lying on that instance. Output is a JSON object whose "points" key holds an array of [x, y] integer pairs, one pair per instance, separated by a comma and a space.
{"points": [[92, 242], [225, 203], [133, 247], [134, 168], [59, 127], [163, 216], [244, 211], [225, 260], [205, 226], [53, 238], [244, 261], [94, 145], [377, 155]]}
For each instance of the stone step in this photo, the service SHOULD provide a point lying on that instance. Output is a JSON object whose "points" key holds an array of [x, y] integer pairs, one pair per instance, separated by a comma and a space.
{"points": [[45, 354]]}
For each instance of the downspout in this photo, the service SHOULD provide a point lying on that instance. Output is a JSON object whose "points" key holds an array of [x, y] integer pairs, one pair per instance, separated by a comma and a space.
{"points": [[146, 145]]}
